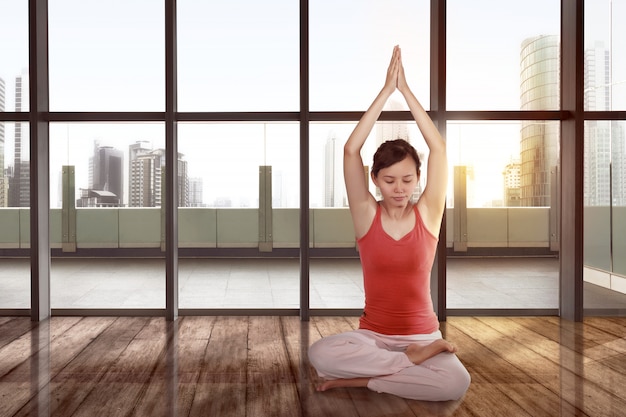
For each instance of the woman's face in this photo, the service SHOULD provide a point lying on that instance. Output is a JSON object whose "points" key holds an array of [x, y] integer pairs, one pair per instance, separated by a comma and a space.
{"points": [[397, 182]]}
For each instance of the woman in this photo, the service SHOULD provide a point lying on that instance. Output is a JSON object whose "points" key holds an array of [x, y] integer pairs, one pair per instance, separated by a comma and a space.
{"points": [[398, 347]]}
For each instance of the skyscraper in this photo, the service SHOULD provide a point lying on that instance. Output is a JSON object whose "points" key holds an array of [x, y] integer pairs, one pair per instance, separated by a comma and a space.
{"points": [[106, 171], [511, 176], [19, 183], [195, 192], [604, 139], [539, 81], [144, 176], [183, 182], [618, 163], [145, 171]]}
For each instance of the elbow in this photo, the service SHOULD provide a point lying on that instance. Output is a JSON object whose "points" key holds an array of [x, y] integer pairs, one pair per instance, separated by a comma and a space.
{"points": [[349, 151]]}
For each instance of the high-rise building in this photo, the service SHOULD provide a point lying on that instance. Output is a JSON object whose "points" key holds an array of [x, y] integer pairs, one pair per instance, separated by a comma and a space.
{"points": [[618, 164], [195, 192], [19, 183], [539, 81], [604, 140], [183, 182], [144, 176], [106, 171], [511, 177], [145, 171]]}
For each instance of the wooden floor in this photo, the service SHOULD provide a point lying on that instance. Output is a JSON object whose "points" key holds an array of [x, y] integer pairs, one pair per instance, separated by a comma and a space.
{"points": [[257, 366]]}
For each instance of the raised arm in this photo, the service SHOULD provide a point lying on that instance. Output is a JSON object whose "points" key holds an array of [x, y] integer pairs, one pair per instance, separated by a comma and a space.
{"points": [[432, 202], [362, 203]]}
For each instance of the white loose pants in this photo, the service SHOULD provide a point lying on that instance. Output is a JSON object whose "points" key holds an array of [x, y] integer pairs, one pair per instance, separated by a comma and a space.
{"points": [[364, 353]]}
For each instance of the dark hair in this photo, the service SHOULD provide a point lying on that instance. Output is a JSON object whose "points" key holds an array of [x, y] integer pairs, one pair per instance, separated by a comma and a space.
{"points": [[394, 151]]}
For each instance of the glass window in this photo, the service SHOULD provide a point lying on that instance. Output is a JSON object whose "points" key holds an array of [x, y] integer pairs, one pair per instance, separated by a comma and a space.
{"points": [[238, 56], [605, 55], [14, 213], [327, 188], [504, 182], [605, 214], [224, 159], [495, 47], [338, 283], [106, 201], [15, 164], [14, 53], [351, 44], [14, 155], [618, 197], [242, 183], [106, 56], [507, 164]]}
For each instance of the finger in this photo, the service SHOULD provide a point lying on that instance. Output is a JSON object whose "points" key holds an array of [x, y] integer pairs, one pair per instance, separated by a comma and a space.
{"points": [[393, 56]]}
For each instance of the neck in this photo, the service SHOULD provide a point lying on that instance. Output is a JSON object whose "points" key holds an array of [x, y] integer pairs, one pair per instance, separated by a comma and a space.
{"points": [[396, 212]]}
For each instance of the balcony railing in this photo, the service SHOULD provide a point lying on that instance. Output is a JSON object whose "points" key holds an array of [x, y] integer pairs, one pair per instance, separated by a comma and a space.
{"points": [[121, 227]]}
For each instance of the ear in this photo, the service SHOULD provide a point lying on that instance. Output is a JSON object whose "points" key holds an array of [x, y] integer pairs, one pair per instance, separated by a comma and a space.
{"points": [[374, 180]]}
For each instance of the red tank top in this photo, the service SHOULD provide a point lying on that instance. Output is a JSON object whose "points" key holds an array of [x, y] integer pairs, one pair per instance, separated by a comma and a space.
{"points": [[396, 277]]}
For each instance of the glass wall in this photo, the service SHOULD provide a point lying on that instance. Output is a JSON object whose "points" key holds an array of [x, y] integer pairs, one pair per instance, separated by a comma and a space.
{"points": [[106, 198], [238, 56], [491, 54], [351, 42], [605, 55], [15, 214], [14, 53], [605, 157], [503, 203], [106, 188], [106, 56], [14, 157], [239, 134], [338, 283], [350, 47], [605, 215], [239, 191], [243, 178], [502, 174]]}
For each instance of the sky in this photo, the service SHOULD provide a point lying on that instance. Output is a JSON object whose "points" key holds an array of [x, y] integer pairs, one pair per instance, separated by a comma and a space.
{"points": [[236, 58]]}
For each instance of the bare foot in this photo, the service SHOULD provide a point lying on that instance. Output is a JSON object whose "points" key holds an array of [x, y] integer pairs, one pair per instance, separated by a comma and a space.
{"points": [[418, 354], [342, 383]]}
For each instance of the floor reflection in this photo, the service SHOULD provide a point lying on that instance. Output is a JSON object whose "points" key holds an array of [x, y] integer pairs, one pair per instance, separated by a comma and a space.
{"points": [[171, 369], [40, 369], [572, 368], [258, 365]]}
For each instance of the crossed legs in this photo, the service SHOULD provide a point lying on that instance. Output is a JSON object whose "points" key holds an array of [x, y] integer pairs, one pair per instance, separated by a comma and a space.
{"points": [[419, 367]]}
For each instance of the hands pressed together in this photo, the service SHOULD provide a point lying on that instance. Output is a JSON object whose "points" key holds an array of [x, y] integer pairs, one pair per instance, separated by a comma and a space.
{"points": [[395, 73]]}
